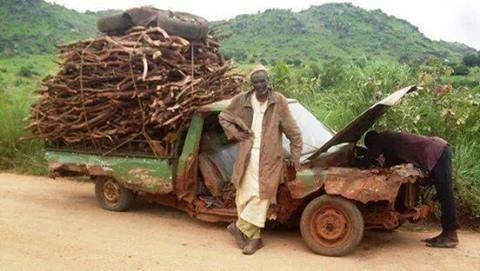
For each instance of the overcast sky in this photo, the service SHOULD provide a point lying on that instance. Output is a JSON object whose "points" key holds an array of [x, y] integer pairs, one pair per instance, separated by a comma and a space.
{"points": [[450, 20]]}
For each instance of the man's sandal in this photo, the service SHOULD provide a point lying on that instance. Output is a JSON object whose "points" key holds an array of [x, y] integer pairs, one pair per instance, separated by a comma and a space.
{"points": [[442, 243], [240, 238]]}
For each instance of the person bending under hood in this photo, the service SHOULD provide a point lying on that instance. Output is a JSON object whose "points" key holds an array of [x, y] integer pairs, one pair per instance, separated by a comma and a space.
{"points": [[257, 119], [431, 154]]}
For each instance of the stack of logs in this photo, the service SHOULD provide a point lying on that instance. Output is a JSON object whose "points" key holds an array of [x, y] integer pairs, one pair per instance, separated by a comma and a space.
{"points": [[140, 87]]}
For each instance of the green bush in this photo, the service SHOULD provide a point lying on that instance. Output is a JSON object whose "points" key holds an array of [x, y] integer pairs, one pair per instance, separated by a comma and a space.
{"points": [[472, 59], [460, 69], [461, 81], [27, 72]]}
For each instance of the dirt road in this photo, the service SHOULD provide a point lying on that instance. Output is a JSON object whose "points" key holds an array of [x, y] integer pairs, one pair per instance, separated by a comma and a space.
{"points": [[56, 225]]}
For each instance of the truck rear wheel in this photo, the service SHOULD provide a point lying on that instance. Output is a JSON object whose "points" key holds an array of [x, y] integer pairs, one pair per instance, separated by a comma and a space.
{"points": [[331, 226], [112, 196]]}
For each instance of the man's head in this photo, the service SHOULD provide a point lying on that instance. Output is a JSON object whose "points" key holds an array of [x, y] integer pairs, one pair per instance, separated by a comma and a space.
{"points": [[370, 139], [259, 80], [374, 143]]}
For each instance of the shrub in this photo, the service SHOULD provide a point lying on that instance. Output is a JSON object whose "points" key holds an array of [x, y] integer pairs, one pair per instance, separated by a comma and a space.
{"points": [[27, 72], [461, 81], [472, 60], [460, 69]]}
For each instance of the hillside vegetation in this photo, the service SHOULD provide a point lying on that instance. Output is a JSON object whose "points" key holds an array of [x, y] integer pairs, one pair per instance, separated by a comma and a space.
{"points": [[318, 34], [330, 31], [35, 27]]}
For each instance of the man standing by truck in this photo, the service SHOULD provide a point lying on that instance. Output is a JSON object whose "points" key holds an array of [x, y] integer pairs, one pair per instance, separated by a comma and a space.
{"points": [[257, 119], [431, 154]]}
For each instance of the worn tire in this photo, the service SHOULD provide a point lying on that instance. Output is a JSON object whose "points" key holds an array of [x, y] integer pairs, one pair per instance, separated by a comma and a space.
{"points": [[117, 23], [331, 225], [185, 25], [112, 196]]}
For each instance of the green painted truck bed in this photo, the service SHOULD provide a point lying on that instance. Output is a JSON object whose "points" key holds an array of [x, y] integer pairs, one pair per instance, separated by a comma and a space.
{"points": [[150, 175]]}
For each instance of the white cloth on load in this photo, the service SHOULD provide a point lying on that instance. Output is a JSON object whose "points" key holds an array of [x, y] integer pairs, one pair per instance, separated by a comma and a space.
{"points": [[249, 205]]}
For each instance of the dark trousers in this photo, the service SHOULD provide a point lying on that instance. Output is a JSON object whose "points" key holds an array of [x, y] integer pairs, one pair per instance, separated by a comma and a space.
{"points": [[442, 173]]}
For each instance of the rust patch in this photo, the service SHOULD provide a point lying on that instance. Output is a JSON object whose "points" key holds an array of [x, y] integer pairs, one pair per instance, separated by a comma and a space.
{"points": [[66, 170], [380, 217], [384, 217], [144, 181], [369, 185], [352, 183], [286, 206], [307, 181], [419, 213], [186, 181]]}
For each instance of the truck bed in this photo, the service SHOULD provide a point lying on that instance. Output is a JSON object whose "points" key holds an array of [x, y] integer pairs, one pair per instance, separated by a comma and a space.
{"points": [[147, 174]]}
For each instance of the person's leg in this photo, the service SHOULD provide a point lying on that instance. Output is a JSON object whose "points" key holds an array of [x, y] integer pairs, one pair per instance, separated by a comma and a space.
{"points": [[240, 238], [252, 232], [249, 230], [444, 186], [442, 172], [233, 228]]}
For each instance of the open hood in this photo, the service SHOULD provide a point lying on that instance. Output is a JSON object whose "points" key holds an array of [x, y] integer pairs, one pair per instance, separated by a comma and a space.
{"points": [[355, 129]]}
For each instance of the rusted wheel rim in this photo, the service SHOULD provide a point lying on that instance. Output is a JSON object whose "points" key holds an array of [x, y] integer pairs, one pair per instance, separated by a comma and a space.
{"points": [[111, 192], [330, 226]]}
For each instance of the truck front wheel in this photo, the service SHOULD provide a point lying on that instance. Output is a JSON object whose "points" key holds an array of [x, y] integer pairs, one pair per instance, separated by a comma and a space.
{"points": [[112, 196], [331, 226]]}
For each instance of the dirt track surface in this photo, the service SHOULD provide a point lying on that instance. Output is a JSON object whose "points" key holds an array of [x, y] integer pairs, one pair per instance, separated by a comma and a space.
{"points": [[56, 225]]}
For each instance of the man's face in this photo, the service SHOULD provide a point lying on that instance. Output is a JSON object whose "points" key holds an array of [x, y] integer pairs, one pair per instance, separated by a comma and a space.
{"points": [[260, 83]]}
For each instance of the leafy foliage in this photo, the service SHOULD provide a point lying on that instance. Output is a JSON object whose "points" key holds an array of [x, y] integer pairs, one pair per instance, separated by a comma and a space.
{"points": [[471, 59]]}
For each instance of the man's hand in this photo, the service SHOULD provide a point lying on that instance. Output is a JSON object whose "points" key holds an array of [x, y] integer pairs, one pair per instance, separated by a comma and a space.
{"points": [[294, 164], [243, 136]]}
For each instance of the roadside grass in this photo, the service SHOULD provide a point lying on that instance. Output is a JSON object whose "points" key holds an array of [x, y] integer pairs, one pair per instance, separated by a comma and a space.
{"points": [[19, 77]]}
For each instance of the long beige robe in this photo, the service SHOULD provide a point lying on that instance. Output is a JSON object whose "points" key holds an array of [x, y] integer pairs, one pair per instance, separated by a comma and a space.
{"points": [[236, 121], [249, 205]]}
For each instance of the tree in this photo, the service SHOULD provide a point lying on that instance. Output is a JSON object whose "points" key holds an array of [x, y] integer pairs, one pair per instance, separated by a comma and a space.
{"points": [[471, 60], [460, 69]]}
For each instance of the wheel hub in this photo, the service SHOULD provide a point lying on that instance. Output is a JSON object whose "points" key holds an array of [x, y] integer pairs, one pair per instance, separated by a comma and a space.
{"points": [[111, 191], [330, 225]]}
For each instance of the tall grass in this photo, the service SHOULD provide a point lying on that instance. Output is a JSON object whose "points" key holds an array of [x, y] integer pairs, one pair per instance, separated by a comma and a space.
{"points": [[23, 156], [19, 77]]}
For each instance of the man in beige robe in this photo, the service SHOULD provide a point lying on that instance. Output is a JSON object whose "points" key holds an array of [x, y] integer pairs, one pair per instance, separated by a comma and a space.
{"points": [[257, 119]]}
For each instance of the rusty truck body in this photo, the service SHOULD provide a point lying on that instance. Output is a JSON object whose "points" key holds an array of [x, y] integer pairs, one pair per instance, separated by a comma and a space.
{"points": [[335, 196]]}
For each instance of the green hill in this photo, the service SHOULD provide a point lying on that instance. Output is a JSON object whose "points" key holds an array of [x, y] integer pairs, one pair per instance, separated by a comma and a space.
{"points": [[322, 33], [35, 27]]}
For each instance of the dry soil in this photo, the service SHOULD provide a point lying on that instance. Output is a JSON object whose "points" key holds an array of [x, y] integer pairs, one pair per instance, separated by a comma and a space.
{"points": [[57, 225]]}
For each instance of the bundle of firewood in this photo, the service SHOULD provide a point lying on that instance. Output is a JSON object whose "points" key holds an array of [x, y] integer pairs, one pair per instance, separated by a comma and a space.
{"points": [[144, 85]]}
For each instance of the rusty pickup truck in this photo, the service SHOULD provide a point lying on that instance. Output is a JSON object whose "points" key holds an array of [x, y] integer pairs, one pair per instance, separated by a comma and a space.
{"points": [[336, 195]]}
